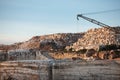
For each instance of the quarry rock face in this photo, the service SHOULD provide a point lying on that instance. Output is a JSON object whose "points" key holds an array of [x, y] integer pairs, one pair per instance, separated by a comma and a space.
{"points": [[94, 38]]}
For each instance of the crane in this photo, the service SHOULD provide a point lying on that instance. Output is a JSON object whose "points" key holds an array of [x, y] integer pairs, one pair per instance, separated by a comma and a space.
{"points": [[92, 20]]}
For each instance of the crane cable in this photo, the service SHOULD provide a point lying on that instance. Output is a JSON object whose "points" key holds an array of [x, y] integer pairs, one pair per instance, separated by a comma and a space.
{"points": [[100, 12]]}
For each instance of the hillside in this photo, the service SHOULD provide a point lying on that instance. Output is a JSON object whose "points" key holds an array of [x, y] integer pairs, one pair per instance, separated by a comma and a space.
{"points": [[46, 42], [93, 38]]}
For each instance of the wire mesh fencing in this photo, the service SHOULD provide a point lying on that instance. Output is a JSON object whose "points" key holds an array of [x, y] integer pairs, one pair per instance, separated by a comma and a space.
{"points": [[85, 70]]}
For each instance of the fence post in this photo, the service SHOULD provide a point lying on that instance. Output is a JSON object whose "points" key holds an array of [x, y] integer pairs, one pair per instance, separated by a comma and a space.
{"points": [[50, 74]]}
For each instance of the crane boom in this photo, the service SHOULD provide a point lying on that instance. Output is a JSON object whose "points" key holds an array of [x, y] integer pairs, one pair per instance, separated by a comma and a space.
{"points": [[92, 20]]}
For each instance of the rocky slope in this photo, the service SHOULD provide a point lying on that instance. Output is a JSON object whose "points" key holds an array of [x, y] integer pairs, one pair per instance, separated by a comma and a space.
{"points": [[94, 38]]}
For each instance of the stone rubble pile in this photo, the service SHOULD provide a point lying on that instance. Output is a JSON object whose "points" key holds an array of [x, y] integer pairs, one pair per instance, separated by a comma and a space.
{"points": [[93, 38]]}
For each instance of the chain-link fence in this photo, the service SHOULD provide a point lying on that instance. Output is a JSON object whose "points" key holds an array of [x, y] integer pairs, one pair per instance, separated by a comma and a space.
{"points": [[60, 70], [86, 70]]}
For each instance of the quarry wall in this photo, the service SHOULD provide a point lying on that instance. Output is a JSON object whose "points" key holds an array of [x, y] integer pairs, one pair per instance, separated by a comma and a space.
{"points": [[26, 54], [60, 70], [25, 70], [3, 56]]}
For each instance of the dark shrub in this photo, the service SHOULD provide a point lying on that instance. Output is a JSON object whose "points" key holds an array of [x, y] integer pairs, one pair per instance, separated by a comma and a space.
{"points": [[108, 47]]}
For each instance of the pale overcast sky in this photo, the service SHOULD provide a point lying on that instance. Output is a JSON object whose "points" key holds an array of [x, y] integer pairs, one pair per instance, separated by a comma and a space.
{"points": [[22, 19]]}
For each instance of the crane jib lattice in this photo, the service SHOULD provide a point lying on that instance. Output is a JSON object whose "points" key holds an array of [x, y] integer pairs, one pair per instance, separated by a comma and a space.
{"points": [[92, 20]]}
